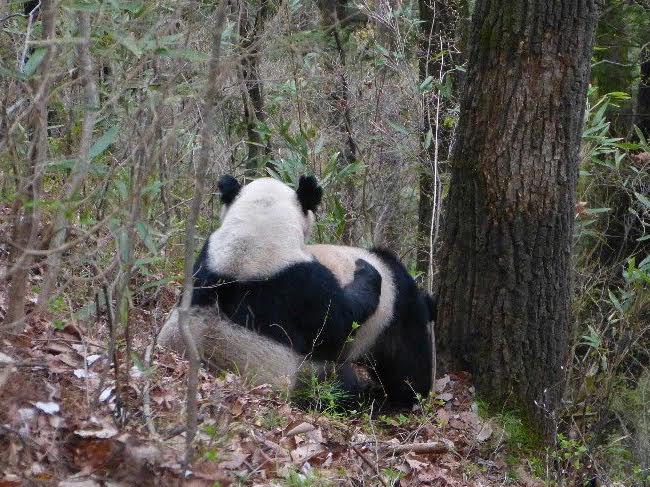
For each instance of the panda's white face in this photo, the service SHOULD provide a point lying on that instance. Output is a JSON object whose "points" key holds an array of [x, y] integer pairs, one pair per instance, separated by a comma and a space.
{"points": [[262, 231]]}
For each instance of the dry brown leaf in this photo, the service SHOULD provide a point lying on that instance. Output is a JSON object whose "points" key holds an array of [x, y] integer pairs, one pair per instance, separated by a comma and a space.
{"points": [[484, 433], [306, 451], [71, 358], [416, 465], [443, 416], [442, 383], [235, 460], [446, 396]]}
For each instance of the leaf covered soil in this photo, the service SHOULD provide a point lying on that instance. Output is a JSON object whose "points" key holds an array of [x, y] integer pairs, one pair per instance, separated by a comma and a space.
{"points": [[65, 421]]}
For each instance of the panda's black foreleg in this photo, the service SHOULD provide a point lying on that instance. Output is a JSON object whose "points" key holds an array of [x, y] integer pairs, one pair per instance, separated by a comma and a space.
{"points": [[362, 294]]}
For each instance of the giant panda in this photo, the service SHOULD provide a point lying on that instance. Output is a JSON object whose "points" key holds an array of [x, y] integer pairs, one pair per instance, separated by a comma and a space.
{"points": [[260, 274], [255, 268]]}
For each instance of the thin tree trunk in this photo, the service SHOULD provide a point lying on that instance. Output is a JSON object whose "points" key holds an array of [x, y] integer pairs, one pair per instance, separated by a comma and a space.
{"points": [[253, 92], [207, 130], [438, 20], [643, 97], [506, 258], [26, 210], [332, 16], [82, 164]]}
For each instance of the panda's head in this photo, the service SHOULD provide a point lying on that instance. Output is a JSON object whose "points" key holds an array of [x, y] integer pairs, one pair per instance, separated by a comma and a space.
{"points": [[267, 199], [264, 225]]}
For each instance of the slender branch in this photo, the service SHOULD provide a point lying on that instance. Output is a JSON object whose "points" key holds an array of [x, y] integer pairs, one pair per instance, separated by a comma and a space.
{"points": [[373, 466], [208, 117], [82, 164]]}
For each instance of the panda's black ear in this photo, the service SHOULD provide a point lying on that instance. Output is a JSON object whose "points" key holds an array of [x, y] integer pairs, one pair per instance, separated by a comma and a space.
{"points": [[309, 193], [229, 188]]}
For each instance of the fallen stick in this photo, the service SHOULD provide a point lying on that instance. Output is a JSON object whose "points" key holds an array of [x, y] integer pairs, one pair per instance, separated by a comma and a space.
{"points": [[430, 447], [374, 466]]}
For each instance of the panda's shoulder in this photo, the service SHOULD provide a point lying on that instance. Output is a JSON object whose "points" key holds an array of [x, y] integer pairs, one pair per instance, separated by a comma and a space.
{"points": [[309, 271], [403, 280]]}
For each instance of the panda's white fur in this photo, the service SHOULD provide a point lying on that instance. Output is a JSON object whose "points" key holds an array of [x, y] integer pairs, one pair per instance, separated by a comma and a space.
{"points": [[262, 234], [340, 261], [227, 346]]}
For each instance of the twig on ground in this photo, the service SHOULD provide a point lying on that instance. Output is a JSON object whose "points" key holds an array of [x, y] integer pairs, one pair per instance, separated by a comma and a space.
{"points": [[375, 467], [146, 399], [430, 447]]}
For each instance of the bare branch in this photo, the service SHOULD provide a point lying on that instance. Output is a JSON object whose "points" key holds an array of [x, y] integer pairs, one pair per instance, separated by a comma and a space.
{"points": [[82, 164], [208, 116]]}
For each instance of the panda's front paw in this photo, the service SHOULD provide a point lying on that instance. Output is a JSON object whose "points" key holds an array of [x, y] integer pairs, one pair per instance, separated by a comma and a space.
{"points": [[368, 274]]}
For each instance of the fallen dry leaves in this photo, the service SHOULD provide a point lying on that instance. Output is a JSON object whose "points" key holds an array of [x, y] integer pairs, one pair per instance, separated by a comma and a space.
{"points": [[60, 424]]}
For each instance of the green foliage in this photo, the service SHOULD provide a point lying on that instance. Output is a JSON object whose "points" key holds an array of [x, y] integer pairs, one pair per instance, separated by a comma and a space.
{"points": [[622, 31], [294, 478], [570, 453], [523, 444], [613, 298], [272, 419], [324, 396], [391, 475]]}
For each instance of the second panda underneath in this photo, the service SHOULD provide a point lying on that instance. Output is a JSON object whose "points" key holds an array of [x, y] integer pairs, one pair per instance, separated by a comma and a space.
{"points": [[257, 269]]}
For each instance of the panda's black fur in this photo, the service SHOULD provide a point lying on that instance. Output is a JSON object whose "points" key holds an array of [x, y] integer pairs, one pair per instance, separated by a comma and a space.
{"points": [[401, 358], [301, 305], [395, 342], [310, 305]]}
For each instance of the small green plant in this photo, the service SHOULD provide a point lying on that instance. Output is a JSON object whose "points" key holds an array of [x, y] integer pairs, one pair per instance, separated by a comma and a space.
{"points": [[355, 327], [523, 444], [57, 304], [397, 421], [272, 419], [391, 476], [571, 454], [325, 396], [310, 479]]}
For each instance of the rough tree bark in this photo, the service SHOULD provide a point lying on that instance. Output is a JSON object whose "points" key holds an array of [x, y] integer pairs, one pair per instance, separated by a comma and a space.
{"points": [[506, 258]]}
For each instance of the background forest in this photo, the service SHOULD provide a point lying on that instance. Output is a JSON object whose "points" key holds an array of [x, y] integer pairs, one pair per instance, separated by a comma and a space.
{"points": [[104, 129]]}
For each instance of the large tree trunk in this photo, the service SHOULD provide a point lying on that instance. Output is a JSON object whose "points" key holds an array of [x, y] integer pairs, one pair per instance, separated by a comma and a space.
{"points": [[506, 259]]}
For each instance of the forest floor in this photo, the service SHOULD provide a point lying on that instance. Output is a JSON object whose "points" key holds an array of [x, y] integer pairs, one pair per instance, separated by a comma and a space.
{"points": [[62, 423]]}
